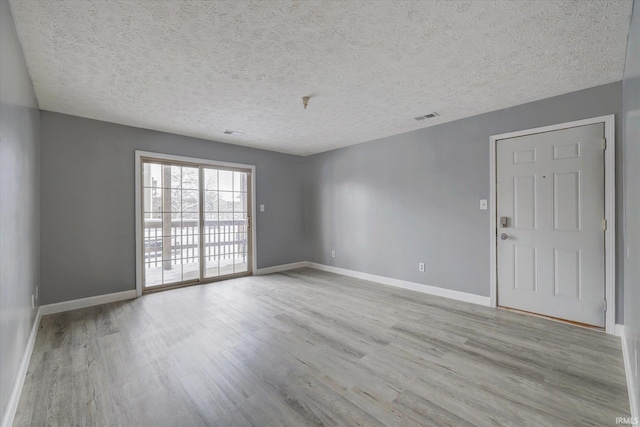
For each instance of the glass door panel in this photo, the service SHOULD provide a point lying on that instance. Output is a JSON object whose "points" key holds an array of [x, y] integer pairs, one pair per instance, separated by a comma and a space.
{"points": [[240, 218], [189, 251], [171, 224], [195, 223], [226, 222], [211, 222]]}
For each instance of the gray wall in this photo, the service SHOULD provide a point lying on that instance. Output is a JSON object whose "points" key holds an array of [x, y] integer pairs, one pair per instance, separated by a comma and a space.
{"points": [[19, 204], [388, 204], [631, 109], [88, 225]]}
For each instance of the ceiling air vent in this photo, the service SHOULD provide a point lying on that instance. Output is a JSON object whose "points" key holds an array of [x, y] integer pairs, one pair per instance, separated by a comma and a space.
{"points": [[426, 116]]}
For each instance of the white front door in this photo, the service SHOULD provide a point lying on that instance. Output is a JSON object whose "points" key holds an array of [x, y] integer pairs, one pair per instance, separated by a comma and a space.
{"points": [[550, 212]]}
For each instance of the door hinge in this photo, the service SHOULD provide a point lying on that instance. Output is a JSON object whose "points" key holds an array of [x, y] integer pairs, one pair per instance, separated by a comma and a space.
{"points": [[604, 224], [604, 143]]}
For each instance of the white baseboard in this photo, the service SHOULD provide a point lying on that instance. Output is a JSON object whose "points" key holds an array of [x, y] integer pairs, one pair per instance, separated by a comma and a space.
{"points": [[426, 289], [87, 302], [618, 330], [12, 406], [629, 362], [278, 268]]}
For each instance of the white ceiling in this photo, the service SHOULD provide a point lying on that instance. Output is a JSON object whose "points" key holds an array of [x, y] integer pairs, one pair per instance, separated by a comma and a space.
{"points": [[199, 68]]}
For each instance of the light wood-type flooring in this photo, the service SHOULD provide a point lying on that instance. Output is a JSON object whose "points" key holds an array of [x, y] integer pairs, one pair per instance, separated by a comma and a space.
{"points": [[307, 347]]}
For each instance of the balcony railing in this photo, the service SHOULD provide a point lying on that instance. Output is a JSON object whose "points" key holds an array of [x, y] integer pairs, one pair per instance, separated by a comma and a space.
{"points": [[223, 239]]}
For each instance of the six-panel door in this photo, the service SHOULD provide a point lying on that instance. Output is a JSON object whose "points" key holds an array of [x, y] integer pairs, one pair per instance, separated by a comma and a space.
{"points": [[550, 189]]}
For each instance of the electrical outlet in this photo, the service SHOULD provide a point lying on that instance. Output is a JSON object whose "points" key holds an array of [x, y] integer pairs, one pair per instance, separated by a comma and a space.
{"points": [[261, 208], [333, 254], [421, 267], [483, 204], [33, 302]]}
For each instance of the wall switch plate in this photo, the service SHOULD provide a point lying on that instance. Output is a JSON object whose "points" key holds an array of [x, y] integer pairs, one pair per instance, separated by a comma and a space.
{"points": [[483, 204], [261, 208], [333, 254], [421, 267]]}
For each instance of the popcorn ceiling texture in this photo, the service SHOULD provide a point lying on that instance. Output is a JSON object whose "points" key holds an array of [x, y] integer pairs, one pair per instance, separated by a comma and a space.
{"points": [[199, 68]]}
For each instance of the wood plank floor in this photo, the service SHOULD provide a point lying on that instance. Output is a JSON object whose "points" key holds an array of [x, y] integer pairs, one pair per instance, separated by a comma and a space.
{"points": [[312, 348]]}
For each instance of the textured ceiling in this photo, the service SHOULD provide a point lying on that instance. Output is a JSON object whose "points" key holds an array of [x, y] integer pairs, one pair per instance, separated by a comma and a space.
{"points": [[199, 68]]}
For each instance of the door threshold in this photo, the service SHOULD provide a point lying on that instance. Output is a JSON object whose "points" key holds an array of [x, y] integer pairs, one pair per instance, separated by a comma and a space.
{"points": [[555, 319]]}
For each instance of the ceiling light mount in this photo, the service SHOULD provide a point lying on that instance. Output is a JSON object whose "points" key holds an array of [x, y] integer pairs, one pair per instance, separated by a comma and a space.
{"points": [[427, 116], [231, 132], [305, 101]]}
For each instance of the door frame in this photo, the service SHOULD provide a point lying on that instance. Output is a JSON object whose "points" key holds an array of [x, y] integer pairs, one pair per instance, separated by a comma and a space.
{"points": [[139, 155], [609, 206]]}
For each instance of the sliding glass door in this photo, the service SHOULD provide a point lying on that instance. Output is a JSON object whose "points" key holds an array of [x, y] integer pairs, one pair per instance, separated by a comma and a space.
{"points": [[196, 223]]}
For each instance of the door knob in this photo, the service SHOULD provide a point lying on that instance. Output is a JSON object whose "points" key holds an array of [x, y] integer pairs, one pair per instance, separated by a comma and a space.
{"points": [[504, 236]]}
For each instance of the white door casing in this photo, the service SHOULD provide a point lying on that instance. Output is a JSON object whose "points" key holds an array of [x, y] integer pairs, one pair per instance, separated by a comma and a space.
{"points": [[550, 189]]}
